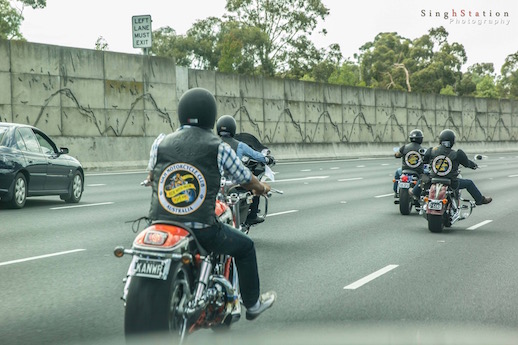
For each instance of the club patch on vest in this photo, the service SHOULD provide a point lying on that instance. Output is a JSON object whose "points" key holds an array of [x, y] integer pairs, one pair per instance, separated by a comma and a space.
{"points": [[181, 189], [413, 159], [442, 165]]}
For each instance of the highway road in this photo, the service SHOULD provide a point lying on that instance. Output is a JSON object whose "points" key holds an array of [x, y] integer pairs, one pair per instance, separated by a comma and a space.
{"points": [[347, 267]]}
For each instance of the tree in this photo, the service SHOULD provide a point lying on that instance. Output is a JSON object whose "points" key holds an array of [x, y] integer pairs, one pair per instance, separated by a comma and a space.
{"points": [[509, 77], [11, 18], [348, 74], [101, 44], [286, 24], [381, 61]]}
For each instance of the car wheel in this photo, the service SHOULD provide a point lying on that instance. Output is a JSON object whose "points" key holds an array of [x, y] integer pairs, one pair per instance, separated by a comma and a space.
{"points": [[75, 191], [19, 191]]}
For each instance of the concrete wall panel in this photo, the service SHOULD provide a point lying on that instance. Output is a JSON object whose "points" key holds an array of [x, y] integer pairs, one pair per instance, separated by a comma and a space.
{"points": [[205, 79], [332, 94], [251, 87], [79, 122], [273, 89], [159, 70], [227, 85], [123, 67], [5, 57], [81, 63], [252, 110], [34, 58], [5, 86], [6, 113], [293, 90], [35, 89]]}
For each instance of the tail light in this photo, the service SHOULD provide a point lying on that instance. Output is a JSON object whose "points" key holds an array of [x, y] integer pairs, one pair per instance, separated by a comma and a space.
{"points": [[161, 235]]}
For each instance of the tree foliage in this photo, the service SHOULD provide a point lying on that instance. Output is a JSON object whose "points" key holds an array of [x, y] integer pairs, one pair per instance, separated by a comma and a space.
{"points": [[11, 18]]}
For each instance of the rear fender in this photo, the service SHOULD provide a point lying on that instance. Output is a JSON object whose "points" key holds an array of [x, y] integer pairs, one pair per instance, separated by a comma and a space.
{"points": [[437, 192], [161, 237]]}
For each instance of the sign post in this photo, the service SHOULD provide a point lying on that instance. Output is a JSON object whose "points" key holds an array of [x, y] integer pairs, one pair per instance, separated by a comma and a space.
{"points": [[142, 33]]}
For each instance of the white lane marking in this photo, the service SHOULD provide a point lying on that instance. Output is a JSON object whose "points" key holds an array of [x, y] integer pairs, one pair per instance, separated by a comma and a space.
{"points": [[279, 213], [40, 257], [370, 277], [350, 179], [300, 179], [96, 185], [384, 195], [306, 170], [476, 226], [334, 168], [512, 176], [360, 166], [385, 164], [86, 205]]}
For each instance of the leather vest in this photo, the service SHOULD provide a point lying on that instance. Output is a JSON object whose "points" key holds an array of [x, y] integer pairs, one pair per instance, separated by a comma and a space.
{"points": [[444, 163], [412, 157], [186, 177]]}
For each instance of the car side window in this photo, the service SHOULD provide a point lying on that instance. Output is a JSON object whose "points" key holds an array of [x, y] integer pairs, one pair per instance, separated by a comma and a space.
{"points": [[30, 140], [46, 147], [19, 141]]}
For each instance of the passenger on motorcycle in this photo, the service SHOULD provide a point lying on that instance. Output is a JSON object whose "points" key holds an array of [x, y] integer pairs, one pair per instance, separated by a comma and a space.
{"points": [[444, 162], [411, 156], [187, 169], [226, 128]]}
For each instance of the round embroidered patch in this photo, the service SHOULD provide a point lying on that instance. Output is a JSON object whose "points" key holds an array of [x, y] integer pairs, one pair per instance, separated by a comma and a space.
{"points": [[181, 189]]}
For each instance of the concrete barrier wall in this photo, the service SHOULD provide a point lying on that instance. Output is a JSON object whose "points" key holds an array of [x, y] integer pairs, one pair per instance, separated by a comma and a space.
{"points": [[108, 107]]}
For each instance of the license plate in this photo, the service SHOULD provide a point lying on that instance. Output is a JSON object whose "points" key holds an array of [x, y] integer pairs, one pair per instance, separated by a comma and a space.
{"points": [[151, 268], [404, 185], [435, 205]]}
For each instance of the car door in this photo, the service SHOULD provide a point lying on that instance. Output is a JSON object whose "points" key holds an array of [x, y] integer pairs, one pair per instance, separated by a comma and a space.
{"points": [[58, 170], [36, 162]]}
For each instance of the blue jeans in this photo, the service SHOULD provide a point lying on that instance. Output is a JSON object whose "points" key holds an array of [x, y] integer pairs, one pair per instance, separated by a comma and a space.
{"points": [[471, 188], [224, 239]]}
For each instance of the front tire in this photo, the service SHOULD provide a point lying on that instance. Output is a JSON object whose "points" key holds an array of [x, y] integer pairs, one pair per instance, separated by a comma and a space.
{"points": [[435, 223], [19, 191], [405, 202], [75, 191], [154, 305]]}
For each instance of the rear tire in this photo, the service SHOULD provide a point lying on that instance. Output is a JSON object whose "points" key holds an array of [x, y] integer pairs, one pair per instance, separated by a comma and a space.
{"points": [[154, 306], [405, 202], [435, 223], [19, 191]]}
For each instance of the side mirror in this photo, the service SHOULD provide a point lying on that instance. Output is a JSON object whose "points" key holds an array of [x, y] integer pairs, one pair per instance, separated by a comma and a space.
{"points": [[479, 157], [63, 150]]}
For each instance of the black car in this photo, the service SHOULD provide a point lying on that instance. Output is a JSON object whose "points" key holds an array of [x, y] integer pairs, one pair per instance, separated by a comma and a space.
{"points": [[32, 165]]}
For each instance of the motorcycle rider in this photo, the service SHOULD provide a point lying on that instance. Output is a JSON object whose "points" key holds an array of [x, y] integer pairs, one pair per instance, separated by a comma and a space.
{"points": [[201, 158], [411, 156], [226, 129], [444, 162]]}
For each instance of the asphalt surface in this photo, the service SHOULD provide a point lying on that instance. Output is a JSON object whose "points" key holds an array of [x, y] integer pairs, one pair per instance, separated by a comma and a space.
{"points": [[347, 267]]}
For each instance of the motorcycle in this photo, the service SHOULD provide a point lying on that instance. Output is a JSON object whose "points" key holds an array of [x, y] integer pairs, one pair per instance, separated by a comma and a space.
{"points": [[240, 199], [443, 206], [407, 180], [174, 285]]}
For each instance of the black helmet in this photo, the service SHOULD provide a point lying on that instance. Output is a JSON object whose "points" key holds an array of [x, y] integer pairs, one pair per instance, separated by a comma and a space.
{"points": [[416, 136], [197, 107], [447, 138], [226, 125]]}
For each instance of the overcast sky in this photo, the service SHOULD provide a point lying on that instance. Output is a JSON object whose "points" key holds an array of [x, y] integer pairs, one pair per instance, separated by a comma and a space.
{"points": [[489, 38]]}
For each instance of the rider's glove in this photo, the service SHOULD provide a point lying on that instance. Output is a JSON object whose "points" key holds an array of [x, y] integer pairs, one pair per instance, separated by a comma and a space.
{"points": [[475, 166], [269, 160]]}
